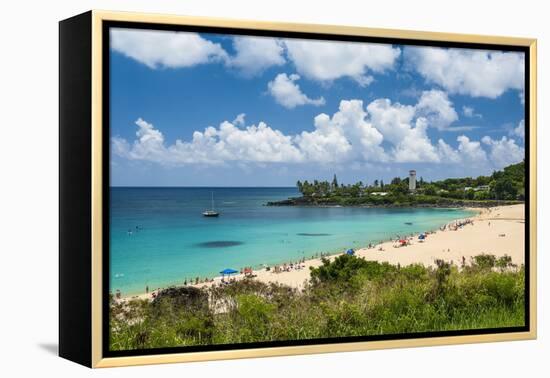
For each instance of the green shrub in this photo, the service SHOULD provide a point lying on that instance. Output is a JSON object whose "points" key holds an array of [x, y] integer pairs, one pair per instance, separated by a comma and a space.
{"points": [[348, 296], [504, 262], [484, 262]]}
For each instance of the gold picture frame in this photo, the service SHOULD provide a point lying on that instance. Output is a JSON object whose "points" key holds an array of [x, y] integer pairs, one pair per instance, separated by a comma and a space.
{"points": [[93, 24]]}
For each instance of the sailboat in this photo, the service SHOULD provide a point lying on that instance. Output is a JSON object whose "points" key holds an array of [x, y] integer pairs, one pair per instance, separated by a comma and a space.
{"points": [[211, 212]]}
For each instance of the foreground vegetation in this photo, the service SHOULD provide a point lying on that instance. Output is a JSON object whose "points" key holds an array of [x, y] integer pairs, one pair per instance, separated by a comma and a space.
{"points": [[346, 297], [502, 187]]}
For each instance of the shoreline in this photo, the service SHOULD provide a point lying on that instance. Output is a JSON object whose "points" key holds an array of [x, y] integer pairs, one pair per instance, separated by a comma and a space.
{"points": [[441, 203], [475, 237]]}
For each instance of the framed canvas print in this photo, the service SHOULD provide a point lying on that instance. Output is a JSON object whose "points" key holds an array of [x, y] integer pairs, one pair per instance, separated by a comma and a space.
{"points": [[236, 189]]}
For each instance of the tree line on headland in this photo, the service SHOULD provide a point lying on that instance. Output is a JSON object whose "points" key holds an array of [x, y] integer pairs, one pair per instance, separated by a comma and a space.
{"points": [[506, 185]]}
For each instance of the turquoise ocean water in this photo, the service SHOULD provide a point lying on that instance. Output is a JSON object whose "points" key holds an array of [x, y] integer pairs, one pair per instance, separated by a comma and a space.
{"points": [[158, 236]]}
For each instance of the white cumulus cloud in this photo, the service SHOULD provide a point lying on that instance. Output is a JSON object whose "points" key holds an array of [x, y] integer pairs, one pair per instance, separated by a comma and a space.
{"points": [[381, 132], [149, 144], [287, 93], [253, 55], [346, 135], [470, 151], [436, 107], [322, 61], [477, 73], [446, 153], [402, 127], [470, 112], [158, 49], [255, 143], [519, 131], [239, 119], [328, 60], [504, 151]]}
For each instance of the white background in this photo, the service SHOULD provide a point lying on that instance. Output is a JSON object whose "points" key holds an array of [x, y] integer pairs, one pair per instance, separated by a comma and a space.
{"points": [[29, 186]]}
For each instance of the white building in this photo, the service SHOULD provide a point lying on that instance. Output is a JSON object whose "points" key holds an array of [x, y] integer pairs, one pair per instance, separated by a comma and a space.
{"points": [[484, 188], [412, 180]]}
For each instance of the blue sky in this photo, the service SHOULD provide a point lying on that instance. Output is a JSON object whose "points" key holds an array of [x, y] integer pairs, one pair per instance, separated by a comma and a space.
{"points": [[207, 110]]}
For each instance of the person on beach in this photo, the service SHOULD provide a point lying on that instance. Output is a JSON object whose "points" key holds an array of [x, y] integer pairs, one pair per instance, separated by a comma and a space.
{"points": [[147, 289]]}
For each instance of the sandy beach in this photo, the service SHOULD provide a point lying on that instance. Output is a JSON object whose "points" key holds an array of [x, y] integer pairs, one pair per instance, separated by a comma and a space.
{"points": [[497, 231]]}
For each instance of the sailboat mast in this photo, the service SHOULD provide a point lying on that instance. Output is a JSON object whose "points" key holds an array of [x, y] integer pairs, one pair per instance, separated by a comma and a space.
{"points": [[212, 201]]}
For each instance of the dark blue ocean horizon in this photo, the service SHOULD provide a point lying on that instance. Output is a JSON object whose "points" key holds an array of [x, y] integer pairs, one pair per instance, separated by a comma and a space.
{"points": [[159, 237]]}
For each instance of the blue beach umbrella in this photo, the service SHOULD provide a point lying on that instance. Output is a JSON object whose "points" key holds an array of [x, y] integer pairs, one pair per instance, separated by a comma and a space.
{"points": [[422, 236], [350, 252], [229, 271]]}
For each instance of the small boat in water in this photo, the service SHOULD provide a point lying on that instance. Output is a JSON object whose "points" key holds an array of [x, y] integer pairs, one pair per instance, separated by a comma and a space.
{"points": [[409, 223], [211, 212]]}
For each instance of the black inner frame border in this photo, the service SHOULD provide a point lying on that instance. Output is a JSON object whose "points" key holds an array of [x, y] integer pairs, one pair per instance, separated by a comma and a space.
{"points": [[107, 25]]}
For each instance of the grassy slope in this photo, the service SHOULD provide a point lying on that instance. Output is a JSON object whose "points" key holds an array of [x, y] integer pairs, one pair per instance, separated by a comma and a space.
{"points": [[347, 297]]}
